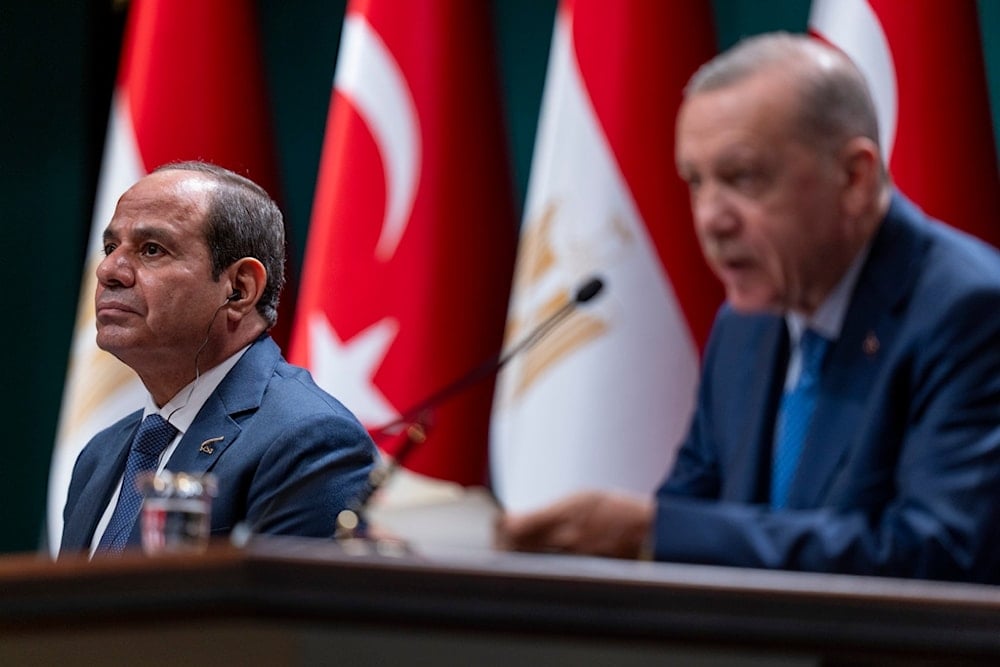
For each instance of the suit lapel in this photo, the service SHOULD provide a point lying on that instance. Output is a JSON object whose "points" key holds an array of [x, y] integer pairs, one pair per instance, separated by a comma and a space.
{"points": [[870, 329], [102, 475], [747, 477], [216, 428], [211, 433]]}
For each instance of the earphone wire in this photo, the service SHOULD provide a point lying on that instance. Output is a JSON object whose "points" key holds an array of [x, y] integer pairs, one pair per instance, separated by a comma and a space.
{"points": [[197, 355]]}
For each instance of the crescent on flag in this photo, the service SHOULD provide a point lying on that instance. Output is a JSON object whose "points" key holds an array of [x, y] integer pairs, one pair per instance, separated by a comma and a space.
{"points": [[371, 80]]}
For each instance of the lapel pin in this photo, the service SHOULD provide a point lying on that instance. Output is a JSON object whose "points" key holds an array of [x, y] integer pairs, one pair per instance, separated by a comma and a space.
{"points": [[870, 345], [207, 448]]}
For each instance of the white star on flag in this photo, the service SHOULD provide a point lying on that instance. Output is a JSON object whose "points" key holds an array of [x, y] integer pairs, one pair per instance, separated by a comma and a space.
{"points": [[347, 369]]}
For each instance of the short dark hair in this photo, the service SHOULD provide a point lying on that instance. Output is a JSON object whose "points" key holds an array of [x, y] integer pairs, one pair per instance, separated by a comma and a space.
{"points": [[242, 221], [835, 101]]}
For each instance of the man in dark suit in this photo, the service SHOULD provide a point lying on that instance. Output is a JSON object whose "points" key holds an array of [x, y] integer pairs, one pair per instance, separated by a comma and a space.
{"points": [[187, 291], [848, 418]]}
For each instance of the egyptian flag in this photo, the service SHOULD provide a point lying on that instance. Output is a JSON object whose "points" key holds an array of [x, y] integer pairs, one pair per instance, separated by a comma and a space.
{"points": [[603, 401]]}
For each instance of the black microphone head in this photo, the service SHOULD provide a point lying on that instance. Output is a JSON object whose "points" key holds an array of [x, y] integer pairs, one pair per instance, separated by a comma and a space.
{"points": [[589, 290]]}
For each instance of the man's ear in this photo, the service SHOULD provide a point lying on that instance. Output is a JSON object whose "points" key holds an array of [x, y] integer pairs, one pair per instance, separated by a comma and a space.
{"points": [[248, 278], [863, 176]]}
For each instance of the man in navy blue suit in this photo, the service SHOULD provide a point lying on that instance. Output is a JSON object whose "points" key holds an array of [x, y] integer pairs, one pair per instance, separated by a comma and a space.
{"points": [[187, 291], [896, 465]]}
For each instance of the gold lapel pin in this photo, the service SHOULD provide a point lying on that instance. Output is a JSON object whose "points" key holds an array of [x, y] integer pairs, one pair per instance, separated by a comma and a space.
{"points": [[207, 448], [870, 345]]}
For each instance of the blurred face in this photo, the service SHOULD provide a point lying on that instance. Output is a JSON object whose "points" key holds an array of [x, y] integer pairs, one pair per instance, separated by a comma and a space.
{"points": [[765, 204], [155, 294]]}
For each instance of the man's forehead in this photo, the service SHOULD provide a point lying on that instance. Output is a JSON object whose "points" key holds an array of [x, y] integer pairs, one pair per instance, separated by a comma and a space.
{"points": [[771, 86], [756, 103], [174, 183], [186, 180], [165, 192], [160, 201]]}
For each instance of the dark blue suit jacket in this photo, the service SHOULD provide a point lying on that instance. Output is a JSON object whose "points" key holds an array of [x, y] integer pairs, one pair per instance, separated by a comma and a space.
{"points": [[289, 459], [900, 474]]}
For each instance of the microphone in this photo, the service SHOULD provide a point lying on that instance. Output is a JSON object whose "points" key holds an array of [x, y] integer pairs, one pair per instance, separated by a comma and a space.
{"points": [[416, 418], [349, 521]]}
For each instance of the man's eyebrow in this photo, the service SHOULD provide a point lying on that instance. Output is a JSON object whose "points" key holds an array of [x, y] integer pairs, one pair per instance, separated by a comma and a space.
{"points": [[147, 232], [142, 232]]}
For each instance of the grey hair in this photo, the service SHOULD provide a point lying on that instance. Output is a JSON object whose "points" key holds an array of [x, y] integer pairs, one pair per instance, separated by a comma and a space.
{"points": [[836, 104], [242, 221]]}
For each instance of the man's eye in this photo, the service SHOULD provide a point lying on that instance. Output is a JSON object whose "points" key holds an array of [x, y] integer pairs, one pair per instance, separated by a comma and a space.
{"points": [[750, 180], [109, 248], [152, 249], [692, 181]]}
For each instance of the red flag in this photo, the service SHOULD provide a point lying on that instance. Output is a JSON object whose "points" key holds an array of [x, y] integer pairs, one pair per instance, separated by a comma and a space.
{"points": [[192, 74], [924, 63], [635, 87], [190, 86], [604, 401], [410, 251]]}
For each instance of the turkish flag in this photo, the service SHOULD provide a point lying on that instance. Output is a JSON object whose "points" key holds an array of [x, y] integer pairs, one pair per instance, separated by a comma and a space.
{"points": [[410, 250], [923, 60]]}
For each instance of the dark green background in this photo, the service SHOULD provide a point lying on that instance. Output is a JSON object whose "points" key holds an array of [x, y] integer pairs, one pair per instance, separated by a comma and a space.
{"points": [[57, 66]]}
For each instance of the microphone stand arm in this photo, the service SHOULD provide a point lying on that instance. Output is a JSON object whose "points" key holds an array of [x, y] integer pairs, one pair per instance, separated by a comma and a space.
{"points": [[350, 521]]}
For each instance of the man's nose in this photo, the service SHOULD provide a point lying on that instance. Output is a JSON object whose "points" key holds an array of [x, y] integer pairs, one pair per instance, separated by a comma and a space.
{"points": [[115, 269], [713, 212]]}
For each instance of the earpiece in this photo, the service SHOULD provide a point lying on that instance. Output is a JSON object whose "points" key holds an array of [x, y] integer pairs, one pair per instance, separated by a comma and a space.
{"points": [[235, 296]]}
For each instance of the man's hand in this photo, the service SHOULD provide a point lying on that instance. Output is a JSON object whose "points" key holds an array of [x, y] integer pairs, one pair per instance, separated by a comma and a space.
{"points": [[596, 523]]}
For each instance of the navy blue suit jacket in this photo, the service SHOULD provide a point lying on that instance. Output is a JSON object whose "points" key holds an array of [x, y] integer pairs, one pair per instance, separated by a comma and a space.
{"points": [[900, 474], [287, 456]]}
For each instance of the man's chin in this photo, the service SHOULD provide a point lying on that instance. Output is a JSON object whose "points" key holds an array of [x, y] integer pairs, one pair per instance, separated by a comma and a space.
{"points": [[753, 303], [112, 343]]}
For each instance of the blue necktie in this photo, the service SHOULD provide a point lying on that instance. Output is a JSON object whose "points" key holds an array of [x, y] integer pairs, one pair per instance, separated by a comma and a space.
{"points": [[154, 434], [794, 417]]}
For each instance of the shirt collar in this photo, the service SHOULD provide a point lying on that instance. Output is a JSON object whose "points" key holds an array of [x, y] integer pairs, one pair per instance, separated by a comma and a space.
{"points": [[828, 319], [181, 410]]}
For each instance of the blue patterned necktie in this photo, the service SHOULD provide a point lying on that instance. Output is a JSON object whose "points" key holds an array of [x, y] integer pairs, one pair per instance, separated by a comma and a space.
{"points": [[154, 434], [795, 415]]}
